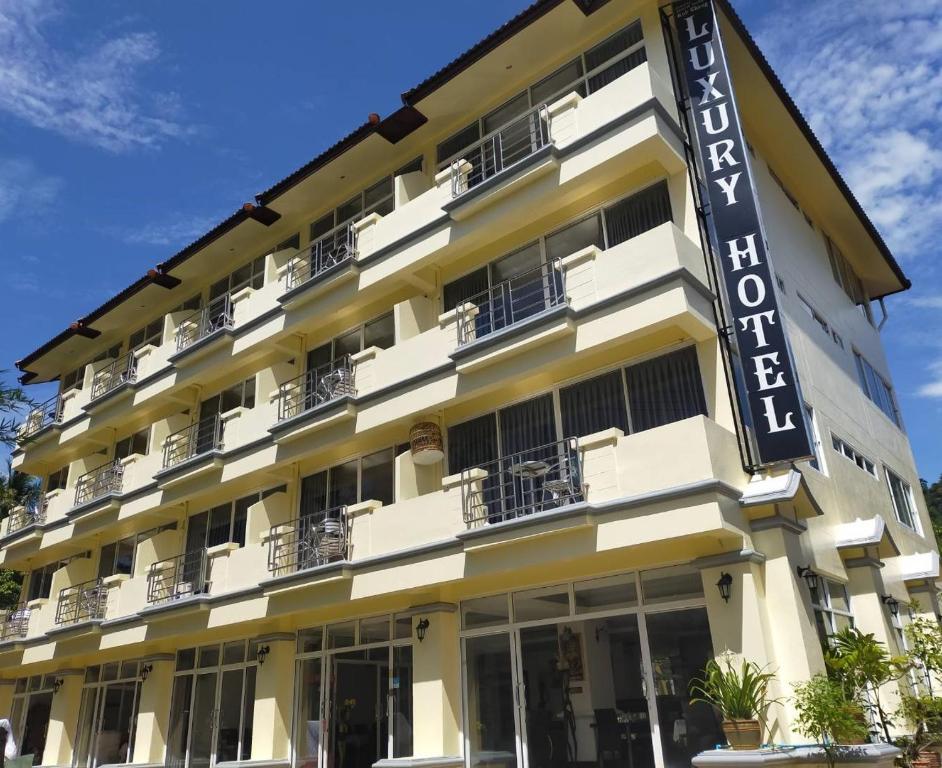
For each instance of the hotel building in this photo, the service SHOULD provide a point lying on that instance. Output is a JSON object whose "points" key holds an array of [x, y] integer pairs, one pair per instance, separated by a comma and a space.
{"points": [[433, 455]]}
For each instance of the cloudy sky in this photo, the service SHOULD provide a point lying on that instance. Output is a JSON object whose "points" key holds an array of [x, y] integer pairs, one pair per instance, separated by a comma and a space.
{"points": [[128, 129]]}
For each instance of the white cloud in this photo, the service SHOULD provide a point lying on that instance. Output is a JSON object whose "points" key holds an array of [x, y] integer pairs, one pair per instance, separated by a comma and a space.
{"points": [[24, 188], [87, 91], [878, 109], [934, 387], [175, 232]]}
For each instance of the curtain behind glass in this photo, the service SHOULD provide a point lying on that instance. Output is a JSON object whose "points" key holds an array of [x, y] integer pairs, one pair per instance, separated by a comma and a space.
{"points": [[665, 389], [593, 405], [472, 443], [527, 425], [313, 494], [638, 213]]}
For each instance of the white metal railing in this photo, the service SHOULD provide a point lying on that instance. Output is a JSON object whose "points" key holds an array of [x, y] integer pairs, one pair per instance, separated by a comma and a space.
{"points": [[329, 250]]}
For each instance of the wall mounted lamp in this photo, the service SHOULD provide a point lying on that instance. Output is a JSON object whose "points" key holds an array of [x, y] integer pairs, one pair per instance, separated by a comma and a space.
{"points": [[421, 628], [261, 653], [725, 586]]}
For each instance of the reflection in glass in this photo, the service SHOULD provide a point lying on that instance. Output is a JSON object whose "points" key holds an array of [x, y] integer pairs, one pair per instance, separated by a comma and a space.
{"points": [[490, 726], [680, 647], [309, 722]]}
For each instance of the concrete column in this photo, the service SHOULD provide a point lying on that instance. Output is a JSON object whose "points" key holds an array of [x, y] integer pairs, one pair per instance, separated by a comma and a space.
{"points": [[274, 699], [436, 693], [866, 587], [63, 718], [153, 715], [6, 697]]}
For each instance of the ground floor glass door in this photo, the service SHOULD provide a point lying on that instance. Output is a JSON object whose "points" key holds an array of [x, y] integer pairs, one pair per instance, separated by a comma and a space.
{"points": [[359, 726], [492, 696]]}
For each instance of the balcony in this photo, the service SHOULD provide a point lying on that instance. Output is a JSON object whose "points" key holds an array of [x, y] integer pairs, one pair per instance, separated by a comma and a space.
{"points": [[309, 541], [102, 481], [120, 371], [24, 517], [216, 316], [179, 577], [336, 248], [15, 623], [523, 483], [316, 387], [511, 302], [501, 150], [82, 602], [41, 416], [195, 440]]}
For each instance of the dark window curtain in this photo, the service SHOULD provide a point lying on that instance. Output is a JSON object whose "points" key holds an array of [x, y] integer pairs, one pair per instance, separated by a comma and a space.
{"points": [[464, 288], [619, 68], [241, 515], [593, 405], [665, 389], [313, 494], [527, 425], [220, 521], [343, 484], [472, 443], [638, 213], [196, 532]]}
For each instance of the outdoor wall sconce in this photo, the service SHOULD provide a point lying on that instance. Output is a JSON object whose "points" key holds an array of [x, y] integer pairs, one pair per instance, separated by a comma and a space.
{"points": [[810, 577], [261, 653], [725, 586], [892, 603], [56, 685], [145, 671], [421, 628]]}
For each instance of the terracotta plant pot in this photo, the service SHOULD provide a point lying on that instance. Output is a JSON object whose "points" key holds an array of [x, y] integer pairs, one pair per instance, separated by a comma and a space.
{"points": [[928, 758], [743, 734]]}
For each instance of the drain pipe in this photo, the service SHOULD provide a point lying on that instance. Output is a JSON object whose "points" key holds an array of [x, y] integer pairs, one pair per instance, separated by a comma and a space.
{"points": [[886, 315]]}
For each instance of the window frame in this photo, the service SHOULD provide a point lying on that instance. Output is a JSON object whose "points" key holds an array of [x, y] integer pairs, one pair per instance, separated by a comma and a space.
{"points": [[825, 607], [818, 463], [857, 458], [866, 370], [359, 490], [906, 491]]}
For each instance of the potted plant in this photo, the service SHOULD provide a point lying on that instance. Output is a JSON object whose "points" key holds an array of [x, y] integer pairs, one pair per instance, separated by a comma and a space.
{"points": [[923, 713], [860, 664], [741, 696], [827, 715]]}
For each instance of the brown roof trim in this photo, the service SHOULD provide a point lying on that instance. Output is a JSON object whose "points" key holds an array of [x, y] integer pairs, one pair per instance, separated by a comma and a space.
{"points": [[480, 49], [816, 145]]}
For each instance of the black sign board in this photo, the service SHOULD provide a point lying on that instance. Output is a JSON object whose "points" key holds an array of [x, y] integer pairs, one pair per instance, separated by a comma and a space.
{"points": [[772, 393]]}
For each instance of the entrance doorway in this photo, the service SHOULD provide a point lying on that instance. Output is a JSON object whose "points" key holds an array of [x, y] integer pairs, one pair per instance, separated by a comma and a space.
{"points": [[558, 678]]}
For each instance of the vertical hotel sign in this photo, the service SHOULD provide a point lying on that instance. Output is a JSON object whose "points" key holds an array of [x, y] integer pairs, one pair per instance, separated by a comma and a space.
{"points": [[772, 393]]}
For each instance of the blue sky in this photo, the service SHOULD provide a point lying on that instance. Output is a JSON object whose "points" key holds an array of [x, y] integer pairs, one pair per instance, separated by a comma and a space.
{"points": [[129, 129]]}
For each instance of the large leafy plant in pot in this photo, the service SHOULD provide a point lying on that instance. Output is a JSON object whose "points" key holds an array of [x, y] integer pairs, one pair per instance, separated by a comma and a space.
{"points": [[741, 696], [827, 715]]}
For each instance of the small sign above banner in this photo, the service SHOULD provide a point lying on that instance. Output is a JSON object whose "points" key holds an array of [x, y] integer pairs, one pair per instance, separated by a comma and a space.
{"points": [[772, 394]]}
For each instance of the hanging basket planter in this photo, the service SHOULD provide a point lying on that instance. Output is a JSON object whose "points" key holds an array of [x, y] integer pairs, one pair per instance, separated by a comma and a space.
{"points": [[425, 442]]}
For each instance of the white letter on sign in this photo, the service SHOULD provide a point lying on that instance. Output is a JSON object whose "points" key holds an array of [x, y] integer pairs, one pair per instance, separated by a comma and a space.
{"points": [[728, 185], [763, 371], [757, 328], [759, 288], [736, 254], [774, 426], [692, 33]]}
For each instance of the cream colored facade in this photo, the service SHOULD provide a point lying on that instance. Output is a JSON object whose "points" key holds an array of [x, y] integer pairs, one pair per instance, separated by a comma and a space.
{"points": [[611, 541]]}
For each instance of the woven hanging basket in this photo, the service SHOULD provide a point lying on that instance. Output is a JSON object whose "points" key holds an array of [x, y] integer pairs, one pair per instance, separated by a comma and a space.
{"points": [[425, 440]]}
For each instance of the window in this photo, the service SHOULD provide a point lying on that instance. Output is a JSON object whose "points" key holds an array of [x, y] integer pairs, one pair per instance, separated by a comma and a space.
{"points": [[190, 305], [781, 186], [876, 388], [108, 716], [901, 496], [29, 714], [831, 605], [241, 395], [813, 313], [151, 333], [217, 687], [837, 338], [605, 228], [291, 243], [251, 274], [57, 480], [586, 74], [848, 452], [40, 580], [225, 522], [361, 479], [132, 444], [845, 276], [117, 558], [75, 378], [818, 461], [652, 393], [377, 198], [379, 332]]}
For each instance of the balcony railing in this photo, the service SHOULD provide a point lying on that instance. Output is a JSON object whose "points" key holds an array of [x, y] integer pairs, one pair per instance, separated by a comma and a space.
{"points": [[309, 541], [179, 577], [112, 376], [15, 622], [33, 513], [99, 482], [501, 149], [198, 438], [511, 301], [213, 317], [317, 386], [523, 483], [337, 246], [82, 602], [42, 415]]}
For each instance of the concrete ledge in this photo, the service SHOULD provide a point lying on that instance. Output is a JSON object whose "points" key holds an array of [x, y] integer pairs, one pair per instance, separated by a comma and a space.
{"points": [[329, 278], [200, 347], [242, 764], [863, 754], [313, 419], [418, 762]]}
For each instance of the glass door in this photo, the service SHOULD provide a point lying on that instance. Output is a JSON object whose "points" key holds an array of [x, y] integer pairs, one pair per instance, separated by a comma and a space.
{"points": [[359, 715], [492, 696], [204, 724]]}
